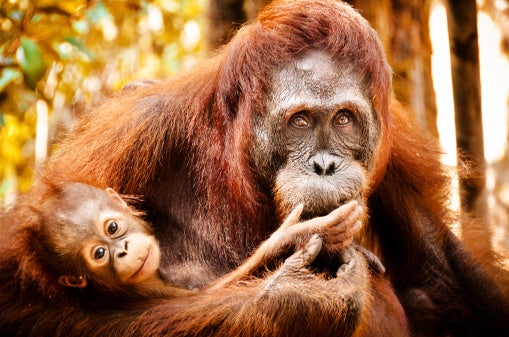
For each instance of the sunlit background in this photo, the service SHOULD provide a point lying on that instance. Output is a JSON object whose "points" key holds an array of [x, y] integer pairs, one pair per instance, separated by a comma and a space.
{"points": [[58, 56], [494, 67]]}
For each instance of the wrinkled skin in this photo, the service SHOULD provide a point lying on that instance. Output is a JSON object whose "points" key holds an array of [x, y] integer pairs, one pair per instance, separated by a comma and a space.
{"points": [[316, 144]]}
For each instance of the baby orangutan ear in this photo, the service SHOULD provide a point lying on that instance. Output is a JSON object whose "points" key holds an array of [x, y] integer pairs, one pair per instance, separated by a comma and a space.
{"points": [[73, 281], [116, 197]]}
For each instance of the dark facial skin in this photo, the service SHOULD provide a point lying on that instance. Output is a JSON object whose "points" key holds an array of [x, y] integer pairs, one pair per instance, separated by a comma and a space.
{"points": [[114, 244], [322, 139]]}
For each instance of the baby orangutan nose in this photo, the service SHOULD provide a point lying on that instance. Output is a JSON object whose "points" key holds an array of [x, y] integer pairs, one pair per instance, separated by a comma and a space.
{"points": [[122, 251]]}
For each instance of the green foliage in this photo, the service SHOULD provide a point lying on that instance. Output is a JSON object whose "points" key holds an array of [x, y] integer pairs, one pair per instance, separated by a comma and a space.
{"points": [[69, 52], [31, 62]]}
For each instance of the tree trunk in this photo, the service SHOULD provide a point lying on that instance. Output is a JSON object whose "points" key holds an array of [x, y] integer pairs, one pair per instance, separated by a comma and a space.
{"points": [[403, 27], [463, 40], [224, 16]]}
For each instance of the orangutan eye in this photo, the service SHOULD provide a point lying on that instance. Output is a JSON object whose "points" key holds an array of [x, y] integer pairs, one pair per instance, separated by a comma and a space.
{"points": [[99, 253], [112, 227], [300, 120], [343, 118]]}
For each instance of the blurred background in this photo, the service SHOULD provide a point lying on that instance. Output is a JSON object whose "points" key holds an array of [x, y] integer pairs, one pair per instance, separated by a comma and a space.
{"points": [[450, 61]]}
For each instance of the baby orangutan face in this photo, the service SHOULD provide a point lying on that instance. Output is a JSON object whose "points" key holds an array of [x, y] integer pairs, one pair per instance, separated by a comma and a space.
{"points": [[120, 249], [115, 246]]}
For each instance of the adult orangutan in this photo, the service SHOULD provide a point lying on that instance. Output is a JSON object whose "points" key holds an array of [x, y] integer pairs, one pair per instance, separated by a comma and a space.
{"points": [[296, 109]]}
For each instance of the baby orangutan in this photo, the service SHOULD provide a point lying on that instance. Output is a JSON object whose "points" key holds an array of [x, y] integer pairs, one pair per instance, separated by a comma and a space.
{"points": [[98, 239], [106, 241]]}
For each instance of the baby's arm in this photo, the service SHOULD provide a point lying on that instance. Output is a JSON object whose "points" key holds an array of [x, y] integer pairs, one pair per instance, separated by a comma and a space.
{"points": [[337, 229]]}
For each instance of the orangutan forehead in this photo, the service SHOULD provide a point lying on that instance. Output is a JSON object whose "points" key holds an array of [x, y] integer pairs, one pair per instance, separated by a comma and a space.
{"points": [[78, 211], [314, 78], [317, 65], [80, 201], [80, 207], [82, 213]]}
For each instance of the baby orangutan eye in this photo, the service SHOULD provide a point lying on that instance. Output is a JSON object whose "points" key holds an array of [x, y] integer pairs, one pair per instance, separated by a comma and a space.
{"points": [[112, 227], [99, 253]]}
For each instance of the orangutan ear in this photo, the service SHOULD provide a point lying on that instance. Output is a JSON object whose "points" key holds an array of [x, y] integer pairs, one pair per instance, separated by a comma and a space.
{"points": [[118, 199], [73, 281]]}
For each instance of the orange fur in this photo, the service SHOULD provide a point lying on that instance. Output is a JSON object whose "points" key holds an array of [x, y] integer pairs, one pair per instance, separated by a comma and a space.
{"points": [[182, 143]]}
